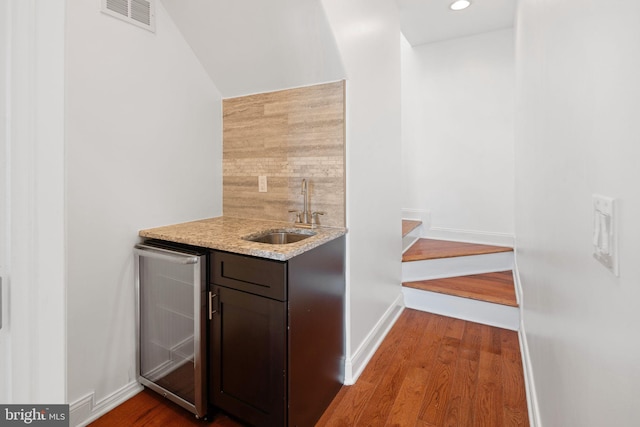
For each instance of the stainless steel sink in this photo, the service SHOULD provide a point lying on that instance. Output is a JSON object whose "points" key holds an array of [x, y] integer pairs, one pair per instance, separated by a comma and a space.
{"points": [[279, 237]]}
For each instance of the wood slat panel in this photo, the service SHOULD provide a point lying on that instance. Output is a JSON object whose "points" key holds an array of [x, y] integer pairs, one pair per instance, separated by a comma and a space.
{"points": [[425, 249], [491, 287]]}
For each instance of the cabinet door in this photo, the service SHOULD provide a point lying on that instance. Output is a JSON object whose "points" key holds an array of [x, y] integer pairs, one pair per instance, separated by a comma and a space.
{"points": [[248, 356]]}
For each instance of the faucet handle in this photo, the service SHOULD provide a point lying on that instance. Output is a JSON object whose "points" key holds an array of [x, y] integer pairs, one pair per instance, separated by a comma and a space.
{"points": [[298, 215], [314, 216]]}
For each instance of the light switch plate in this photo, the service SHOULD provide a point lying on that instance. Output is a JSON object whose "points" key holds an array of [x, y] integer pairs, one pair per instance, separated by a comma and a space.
{"points": [[262, 184], [605, 233]]}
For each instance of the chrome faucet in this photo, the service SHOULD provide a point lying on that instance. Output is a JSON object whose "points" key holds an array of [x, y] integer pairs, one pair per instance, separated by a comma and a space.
{"points": [[305, 218], [305, 195]]}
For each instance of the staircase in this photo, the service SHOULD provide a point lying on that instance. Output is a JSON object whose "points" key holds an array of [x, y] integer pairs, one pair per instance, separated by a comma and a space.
{"points": [[467, 281]]}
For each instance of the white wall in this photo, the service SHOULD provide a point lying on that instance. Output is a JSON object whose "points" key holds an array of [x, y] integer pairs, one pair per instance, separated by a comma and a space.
{"points": [[33, 336], [5, 369], [457, 135], [368, 37], [578, 134], [143, 125], [256, 46]]}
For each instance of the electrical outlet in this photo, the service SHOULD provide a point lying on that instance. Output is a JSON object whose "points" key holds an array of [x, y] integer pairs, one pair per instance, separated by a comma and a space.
{"points": [[605, 238], [262, 184]]}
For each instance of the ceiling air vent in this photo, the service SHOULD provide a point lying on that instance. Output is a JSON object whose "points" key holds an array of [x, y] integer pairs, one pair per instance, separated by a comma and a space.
{"points": [[137, 12]]}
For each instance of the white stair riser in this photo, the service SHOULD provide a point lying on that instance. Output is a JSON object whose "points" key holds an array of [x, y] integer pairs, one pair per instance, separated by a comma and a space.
{"points": [[501, 316], [458, 266], [411, 237]]}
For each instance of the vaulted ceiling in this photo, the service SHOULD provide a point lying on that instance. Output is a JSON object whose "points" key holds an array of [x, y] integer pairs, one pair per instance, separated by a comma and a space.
{"points": [[253, 46]]}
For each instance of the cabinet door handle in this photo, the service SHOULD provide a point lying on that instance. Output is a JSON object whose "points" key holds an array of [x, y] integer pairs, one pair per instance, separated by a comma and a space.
{"points": [[211, 309]]}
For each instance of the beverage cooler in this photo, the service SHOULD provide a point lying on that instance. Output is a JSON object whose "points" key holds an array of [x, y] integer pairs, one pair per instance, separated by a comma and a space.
{"points": [[171, 322]]}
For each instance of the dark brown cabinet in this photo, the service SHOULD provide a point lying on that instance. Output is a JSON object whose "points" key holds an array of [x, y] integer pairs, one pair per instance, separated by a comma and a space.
{"points": [[276, 335], [248, 365], [248, 338]]}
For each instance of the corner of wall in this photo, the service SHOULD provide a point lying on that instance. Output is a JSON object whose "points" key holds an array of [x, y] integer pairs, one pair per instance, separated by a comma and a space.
{"points": [[355, 364], [86, 410], [532, 399]]}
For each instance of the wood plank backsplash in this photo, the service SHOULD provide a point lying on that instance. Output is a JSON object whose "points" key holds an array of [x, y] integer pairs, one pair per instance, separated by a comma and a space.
{"points": [[286, 135]]}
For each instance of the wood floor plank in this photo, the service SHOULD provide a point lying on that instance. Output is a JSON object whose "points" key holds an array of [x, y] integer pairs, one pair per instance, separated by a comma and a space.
{"points": [[515, 418], [495, 287], [471, 341], [488, 404], [455, 328], [149, 409], [406, 406], [439, 325], [514, 396], [377, 410], [437, 395], [333, 407], [382, 359], [348, 410], [425, 249], [491, 339], [463, 392], [488, 407]]}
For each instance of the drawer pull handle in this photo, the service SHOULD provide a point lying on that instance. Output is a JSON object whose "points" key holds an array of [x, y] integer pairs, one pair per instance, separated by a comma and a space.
{"points": [[211, 310]]}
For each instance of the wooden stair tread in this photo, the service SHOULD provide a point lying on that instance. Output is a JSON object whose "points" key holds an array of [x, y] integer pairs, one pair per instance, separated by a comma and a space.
{"points": [[408, 225], [497, 287], [424, 249]]}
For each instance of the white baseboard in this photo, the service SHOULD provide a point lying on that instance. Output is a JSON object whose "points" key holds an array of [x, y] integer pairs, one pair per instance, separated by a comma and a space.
{"points": [[487, 313], [458, 266], [516, 280], [86, 410], [532, 396], [469, 236], [358, 361], [455, 234]]}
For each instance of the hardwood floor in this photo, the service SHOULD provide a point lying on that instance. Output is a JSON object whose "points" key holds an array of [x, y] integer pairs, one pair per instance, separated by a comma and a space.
{"points": [[497, 287], [408, 225], [432, 249], [149, 409], [430, 371], [437, 371]]}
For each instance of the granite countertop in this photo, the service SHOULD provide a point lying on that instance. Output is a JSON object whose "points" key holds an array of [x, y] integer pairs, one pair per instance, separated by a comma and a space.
{"points": [[226, 233]]}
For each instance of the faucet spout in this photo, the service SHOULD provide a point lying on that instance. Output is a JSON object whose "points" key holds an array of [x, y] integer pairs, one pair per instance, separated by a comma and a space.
{"points": [[305, 194]]}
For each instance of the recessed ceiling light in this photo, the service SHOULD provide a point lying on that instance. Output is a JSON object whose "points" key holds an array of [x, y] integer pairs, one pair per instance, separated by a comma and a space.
{"points": [[460, 4]]}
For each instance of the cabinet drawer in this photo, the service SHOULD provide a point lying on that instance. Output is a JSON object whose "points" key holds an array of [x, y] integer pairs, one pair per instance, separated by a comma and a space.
{"points": [[249, 274]]}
